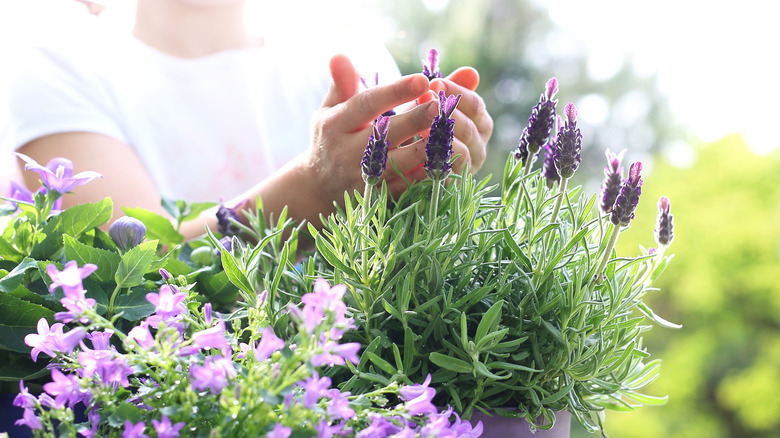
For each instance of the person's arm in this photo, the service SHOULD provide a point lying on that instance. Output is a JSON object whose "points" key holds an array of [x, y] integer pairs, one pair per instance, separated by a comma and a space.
{"points": [[308, 185]]}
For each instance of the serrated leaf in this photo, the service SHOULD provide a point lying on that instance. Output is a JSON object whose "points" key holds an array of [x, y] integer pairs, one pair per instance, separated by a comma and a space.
{"points": [[73, 221], [134, 306], [106, 261], [134, 264], [157, 227]]}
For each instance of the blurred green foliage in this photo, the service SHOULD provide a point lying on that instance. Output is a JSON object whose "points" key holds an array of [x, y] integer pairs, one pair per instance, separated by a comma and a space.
{"points": [[722, 369]]}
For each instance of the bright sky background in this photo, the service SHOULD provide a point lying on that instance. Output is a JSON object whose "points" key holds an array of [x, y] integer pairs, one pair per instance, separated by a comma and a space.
{"points": [[717, 60]]}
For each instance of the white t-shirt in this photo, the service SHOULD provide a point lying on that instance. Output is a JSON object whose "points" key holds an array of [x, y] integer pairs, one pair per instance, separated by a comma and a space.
{"points": [[206, 128]]}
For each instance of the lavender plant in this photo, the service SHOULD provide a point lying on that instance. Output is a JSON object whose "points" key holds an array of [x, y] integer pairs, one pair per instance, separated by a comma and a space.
{"points": [[514, 305], [179, 372]]}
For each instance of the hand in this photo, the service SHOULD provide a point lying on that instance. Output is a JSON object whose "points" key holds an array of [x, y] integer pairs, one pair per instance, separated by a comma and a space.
{"points": [[343, 124], [473, 124]]}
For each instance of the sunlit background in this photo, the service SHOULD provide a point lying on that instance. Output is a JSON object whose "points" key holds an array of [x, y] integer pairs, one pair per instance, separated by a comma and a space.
{"points": [[688, 87]]}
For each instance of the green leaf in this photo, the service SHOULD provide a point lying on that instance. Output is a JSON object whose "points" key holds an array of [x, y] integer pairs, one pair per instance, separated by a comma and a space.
{"points": [[552, 398], [381, 363], [157, 227], [14, 278], [489, 321], [217, 288], [106, 261], [134, 305], [8, 252], [134, 264], [450, 363], [19, 366], [73, 221], [482, 370], [18, 318]]}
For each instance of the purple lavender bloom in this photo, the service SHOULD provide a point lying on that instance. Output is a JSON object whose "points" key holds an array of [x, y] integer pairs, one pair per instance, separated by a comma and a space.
{"points": [[64, 389], [165, 429], [540, 124], [664, 228], [24, 399], [225, 225], [58, 176], [439, 147], [314, 388], [628, 199], [549, 171], [127, 232], [52, 340], [213, 375], [431, 65], [70, 278], [279, 431], [404, 433], [568, 144], [269, 343], [613, 178], [30, 420], [134, 430], [375, 157]]}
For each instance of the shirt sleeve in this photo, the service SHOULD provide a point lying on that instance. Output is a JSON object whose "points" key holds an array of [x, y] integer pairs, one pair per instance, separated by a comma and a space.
{"points": [[59, 91]]}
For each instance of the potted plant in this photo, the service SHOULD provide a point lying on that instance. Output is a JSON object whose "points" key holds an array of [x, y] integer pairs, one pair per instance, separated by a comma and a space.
{"points": [[513, 306]]}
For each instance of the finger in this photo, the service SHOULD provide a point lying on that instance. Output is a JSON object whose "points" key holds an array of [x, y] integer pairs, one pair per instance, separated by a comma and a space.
{"points": [[344, 81], [404, 159], [416, 121], [466, 77], [397, 185], [469, 134], [364, 107], [460, 148], [470, 103]]}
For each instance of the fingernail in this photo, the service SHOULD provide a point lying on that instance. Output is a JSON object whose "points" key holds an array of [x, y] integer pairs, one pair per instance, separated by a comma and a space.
{"points": [[419, 84]]}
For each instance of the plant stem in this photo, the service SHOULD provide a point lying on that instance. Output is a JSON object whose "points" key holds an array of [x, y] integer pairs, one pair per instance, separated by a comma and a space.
{"points": [[434, 201], [610, 245], [528, 163], [366, 206], [366, 200], [110, 311], [561, 194]]}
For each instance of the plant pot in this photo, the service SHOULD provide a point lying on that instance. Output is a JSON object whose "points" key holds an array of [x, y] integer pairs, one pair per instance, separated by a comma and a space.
{"points": [[505, 427]]}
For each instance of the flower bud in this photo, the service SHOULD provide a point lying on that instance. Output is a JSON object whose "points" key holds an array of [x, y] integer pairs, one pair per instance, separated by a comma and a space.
{"points": [[540, 124], [225, 226], [628, 199], [613, 178], [568, 144], [431, 65], [439, 147], [375, 157], [664, 228], [127, 232]]}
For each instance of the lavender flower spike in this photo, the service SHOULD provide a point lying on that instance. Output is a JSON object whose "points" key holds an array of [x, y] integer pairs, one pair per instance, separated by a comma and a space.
{"points": [[375, 156], [540, 124], [613, 178], [568, 144], [628, 199], [439, 147], [431, 65], [664, 228]]}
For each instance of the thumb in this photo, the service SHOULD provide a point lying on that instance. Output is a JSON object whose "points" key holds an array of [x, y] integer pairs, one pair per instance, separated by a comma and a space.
{"points": [[344, 83]]}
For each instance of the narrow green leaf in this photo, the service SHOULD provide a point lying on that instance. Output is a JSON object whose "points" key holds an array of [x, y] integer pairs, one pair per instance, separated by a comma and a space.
{"points": [[552, 398], [489, 321], [381, 363], [450, 363]]}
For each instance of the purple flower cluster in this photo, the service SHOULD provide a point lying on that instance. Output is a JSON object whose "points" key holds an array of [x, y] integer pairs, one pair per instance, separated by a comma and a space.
{"points": [[375, 157], [439, 147], [628, 198], [613, 178], [664, 224], [225, 218], [540, 124], [568, 144], [549, 171], [431, 65]]}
